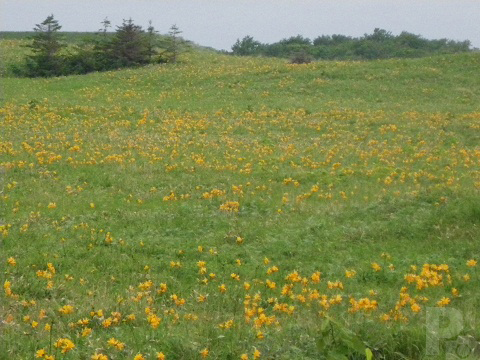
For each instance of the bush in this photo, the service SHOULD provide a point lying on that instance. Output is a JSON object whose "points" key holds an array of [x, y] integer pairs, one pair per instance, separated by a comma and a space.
{"points": [[301, 57], [380, 44]]}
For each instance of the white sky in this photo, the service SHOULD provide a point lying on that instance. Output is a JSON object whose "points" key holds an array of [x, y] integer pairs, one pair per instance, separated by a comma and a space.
{"points": [[219, 23]]}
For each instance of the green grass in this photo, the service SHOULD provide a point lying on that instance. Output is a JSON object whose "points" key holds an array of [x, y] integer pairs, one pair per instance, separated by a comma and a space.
{"points": [[392, 146]]}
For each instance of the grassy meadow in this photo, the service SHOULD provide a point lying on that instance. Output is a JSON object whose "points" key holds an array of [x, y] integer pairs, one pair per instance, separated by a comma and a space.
{"points": [[238, 208]]}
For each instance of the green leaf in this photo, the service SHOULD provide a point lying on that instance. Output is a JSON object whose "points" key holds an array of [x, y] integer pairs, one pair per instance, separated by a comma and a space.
{"points": [[325, 326], [368, 354], [321, 344], [354, 343]]}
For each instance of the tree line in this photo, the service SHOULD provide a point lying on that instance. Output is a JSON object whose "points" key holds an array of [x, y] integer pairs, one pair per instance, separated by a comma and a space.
{"points": [[129, 46], [381, 44]]}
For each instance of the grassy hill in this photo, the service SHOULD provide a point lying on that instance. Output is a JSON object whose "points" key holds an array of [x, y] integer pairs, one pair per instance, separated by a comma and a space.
{"points": [[224, 207]]}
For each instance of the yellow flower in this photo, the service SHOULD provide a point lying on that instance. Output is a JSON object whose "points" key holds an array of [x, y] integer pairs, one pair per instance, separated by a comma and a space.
{"points": [[51, 268], [154, 321], [42, 314], [316, 276], [376, 267], [161, 356], [204, 353], [40, 353], [335, 285], [99, 357], [116, 344], [7, 284], [270, 284], [230, 207], [145, 285], [423, 299], [244, 357], [415, 308], [66, 309], [108, 238], [443, 302], [83, 322], [11, 261], [235, 276], [256, 354], [471, 263], [162, 289], [222, 288], [52, 205], [272, 270], [86, 332], [139, 357], [385, 317], [226, 325], [350, 273], [65, 344], [107, 323]]}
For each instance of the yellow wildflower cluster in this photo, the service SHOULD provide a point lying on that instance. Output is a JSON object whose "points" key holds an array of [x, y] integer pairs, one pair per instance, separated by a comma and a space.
{"points": [[230, 207], [65, 345], [231, 224]]}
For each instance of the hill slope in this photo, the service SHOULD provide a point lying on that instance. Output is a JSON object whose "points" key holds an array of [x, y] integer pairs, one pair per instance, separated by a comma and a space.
{"points": [[223, 206]]}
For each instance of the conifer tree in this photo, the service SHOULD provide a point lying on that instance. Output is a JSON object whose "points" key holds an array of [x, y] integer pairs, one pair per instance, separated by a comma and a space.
{"points": [[105, 25], [129, 46], [151, 41], [45, 60], [174, 47]]}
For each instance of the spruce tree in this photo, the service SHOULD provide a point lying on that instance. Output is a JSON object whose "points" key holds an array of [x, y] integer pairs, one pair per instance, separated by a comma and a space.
{"points": [[151, 41], [174, 46], [129, 46], [45, 60]]}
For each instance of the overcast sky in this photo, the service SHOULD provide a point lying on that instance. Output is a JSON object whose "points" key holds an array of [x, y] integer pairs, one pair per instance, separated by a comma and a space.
{"points": [[219, 23]]}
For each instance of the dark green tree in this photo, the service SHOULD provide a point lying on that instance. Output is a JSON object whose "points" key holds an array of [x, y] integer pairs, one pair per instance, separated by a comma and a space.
{"points": [[379, 35], [174, 43], [46, 60], [151, 41], [246, 46], [106, 24], [129, 46], [296, 40]]}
